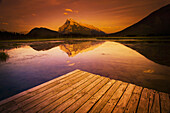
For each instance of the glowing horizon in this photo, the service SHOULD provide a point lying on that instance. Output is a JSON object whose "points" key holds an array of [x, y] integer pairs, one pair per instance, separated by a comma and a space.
{"points": [[108, 15]]}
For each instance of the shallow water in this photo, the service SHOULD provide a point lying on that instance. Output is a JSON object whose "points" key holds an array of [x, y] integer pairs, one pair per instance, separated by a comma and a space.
{"points": [[31, 65]]}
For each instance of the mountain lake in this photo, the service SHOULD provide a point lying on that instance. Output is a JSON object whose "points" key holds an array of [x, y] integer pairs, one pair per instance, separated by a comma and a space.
{"points": [[144, 63]]}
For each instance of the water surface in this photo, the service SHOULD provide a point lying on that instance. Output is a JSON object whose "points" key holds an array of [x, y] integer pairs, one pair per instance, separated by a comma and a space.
{"points": [[36, 63]]}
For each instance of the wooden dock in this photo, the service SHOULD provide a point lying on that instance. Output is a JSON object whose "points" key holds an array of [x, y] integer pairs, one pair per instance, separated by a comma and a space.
{"points": [[82, 92]]}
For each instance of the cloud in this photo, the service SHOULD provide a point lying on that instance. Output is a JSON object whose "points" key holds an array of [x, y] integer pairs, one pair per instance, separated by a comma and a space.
{"points": [[0, 1], [69, 10], [65, 13]]}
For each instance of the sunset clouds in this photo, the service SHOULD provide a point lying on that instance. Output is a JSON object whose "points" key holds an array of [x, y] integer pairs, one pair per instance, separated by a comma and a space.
{"points": [[109, 15], [68, 11], [65, 13]]}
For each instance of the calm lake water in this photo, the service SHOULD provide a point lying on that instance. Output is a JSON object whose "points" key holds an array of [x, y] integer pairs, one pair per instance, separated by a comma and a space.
{"points": [[35, 63]]}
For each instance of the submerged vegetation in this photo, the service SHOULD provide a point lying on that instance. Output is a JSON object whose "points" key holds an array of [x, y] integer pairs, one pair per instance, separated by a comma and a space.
{"points": [[3, 56]]}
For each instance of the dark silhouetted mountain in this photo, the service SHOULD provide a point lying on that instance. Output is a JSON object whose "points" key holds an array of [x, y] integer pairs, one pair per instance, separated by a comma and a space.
{"points": [[157, 23], [73, 27], [43, 33]]}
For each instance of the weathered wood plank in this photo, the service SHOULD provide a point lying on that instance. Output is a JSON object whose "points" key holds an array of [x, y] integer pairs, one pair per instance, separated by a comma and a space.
{"points": [[121, 106], [28, 103], [86, 106], [82, 100], [143, 106], [58, 88], [16, 111], [133, 103], [41, 89], [35, 88], [151, 94], [80, 91], [156, 105], [9, 102], [8, 105], [102, 102], [73, 99], [65, 97], [114, 99], [37, 108], [164, 100]]}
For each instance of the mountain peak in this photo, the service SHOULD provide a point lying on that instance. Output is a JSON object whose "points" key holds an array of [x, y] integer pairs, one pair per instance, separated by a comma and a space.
{"points": [[70, 19], [71, 26]]}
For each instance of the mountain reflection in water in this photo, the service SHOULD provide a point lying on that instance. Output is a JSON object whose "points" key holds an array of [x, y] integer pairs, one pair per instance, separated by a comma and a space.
{"points": [[31, 65], [74, 49]]}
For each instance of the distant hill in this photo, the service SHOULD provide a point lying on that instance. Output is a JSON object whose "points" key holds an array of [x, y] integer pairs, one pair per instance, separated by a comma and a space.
{"points": [[43, 33], [73, 27], [157, 23]]}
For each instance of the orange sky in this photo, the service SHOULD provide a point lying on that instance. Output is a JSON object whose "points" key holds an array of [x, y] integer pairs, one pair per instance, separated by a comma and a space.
{"points": [[108, 15]]}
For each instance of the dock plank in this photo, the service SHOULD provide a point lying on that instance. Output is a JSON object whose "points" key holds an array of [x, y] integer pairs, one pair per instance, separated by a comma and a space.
{"points": [[62, 93], [41, 89], [102, 102], [5, 101], [121, 106], [165, 105], [73, 99], [144, 101], [151, 94], [10, 102], [114, 99], [86, 106], [30, 102], [156, 105], [86, 97], [65, 97], [80, 91], [133, 103], [53, 91]]}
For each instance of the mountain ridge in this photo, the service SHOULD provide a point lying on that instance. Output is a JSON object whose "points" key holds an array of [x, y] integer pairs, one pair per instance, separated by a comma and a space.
{"points": [[155, 24]]}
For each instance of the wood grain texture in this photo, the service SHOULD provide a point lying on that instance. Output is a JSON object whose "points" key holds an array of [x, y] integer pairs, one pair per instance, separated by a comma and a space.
{"points": [[80, 91]]}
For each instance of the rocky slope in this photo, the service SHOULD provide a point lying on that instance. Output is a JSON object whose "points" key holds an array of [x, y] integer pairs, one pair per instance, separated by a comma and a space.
{"points": [[73, 27]]}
